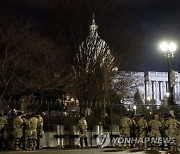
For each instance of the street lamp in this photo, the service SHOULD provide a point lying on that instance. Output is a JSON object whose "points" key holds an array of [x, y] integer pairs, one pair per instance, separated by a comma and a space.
{"points": [[169, 49], [135, 108]]}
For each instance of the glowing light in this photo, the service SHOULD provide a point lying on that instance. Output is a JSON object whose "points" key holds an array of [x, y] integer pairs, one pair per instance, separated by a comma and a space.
{"points": [[172, 47], [148, 98], [164, 46], [134, 107], [167, 94]]}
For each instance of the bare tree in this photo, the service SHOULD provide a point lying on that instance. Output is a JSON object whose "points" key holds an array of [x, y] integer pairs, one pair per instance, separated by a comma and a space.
{"points": [[13, 44], [30, 63], [47, 69], [125, 84], [71, 19]]}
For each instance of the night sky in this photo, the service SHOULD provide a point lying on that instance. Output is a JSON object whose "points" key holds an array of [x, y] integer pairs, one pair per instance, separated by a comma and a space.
{"points": [[161, 21]]}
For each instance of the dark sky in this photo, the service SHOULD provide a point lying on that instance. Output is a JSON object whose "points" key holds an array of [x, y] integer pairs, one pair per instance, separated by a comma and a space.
{"points": [[161, 21]]}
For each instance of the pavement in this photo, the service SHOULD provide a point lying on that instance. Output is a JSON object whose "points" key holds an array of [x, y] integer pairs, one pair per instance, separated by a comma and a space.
{"points": [[81, 151]]}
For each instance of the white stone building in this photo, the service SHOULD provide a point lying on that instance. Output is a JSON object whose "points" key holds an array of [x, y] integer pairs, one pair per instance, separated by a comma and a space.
{"points": [[155, 87]]}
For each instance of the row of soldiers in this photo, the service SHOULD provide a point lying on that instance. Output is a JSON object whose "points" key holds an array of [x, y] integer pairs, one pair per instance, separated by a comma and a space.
{"points": [[168, 127], [26, 133], [129, 128]]}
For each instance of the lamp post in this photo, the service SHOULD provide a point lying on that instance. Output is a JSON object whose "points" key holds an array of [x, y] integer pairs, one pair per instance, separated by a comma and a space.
{"points": [[169, 49], [135, 108]]}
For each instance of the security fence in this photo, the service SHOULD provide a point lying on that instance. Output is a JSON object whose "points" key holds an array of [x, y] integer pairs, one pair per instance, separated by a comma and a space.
{"points": [[61, 119], [106, 115], [97, 113]]}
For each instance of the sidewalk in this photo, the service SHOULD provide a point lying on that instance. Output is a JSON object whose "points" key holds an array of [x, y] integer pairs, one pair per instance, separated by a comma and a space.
{"points": [[81, 151]]}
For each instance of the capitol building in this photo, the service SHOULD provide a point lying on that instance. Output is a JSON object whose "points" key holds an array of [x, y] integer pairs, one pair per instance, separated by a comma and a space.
{"points": [[155, 87]]}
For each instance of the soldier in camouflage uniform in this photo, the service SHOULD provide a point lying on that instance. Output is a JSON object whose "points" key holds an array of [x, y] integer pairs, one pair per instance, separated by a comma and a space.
{"points": [[3, 133], [173, 125], [125, 124], [155, 126], [83, 131], [18, 130], [39, 129], [27, 132], [133, 131], [164, 131], [32, 132], [142, 126]]}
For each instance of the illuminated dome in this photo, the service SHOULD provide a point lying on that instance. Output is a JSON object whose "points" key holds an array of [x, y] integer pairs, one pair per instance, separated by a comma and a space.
{"points": [[94, 48]]}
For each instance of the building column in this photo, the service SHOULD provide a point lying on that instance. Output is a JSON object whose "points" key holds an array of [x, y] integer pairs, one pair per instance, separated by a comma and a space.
{"points": [[153, 94], [160, 90], [150, 89], [163, 89]]}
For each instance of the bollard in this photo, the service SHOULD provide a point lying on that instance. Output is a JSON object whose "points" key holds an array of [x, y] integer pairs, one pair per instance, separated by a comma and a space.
{"points": [[74, 137], [60, 136], [115, 129], [114, 134], [97, 130]]}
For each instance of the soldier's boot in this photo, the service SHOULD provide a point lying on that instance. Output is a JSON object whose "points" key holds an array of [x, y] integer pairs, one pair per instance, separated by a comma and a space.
{"points": [[81, 142], [34, 144], [153, 147], [30, 144], [38, 143], [127, 146], [171, 149], [140, 146], [17, 148], [123, 146], [86, 142], [156, 148], [175, 148], [16, 144]]}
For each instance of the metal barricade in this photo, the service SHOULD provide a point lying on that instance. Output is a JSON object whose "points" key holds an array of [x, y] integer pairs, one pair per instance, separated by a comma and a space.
{"points": [[114, 133], [60, 136], [97, 130], [73, 136]]}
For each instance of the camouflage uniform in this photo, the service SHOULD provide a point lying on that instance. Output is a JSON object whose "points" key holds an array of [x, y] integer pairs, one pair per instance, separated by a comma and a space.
{"points": [[3, 133], [155, 126], [27, 132], [133, 131], [39, 129], [172, 124], [32, 131], [142, 126], [125, 124], [164, 131], [83, 131], [18, 130]]}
